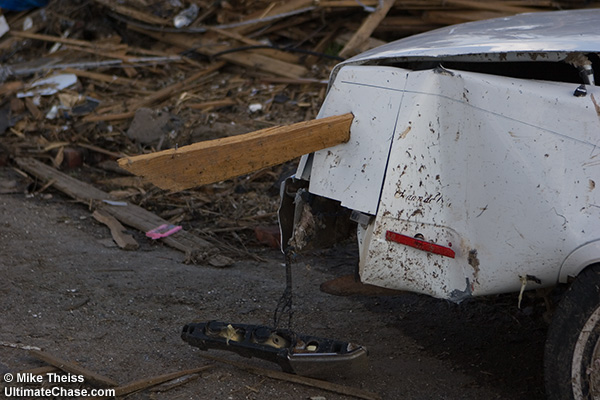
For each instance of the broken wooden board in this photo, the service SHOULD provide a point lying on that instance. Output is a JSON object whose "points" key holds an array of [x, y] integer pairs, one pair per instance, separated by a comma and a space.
{"points": [[220, 159], [134, 13], [366, 29], [117, 231], [135, 104], [156, 380], [368, 44], [302, 380], [248, 59], [130, 215], [90, 376], [282, 8]]}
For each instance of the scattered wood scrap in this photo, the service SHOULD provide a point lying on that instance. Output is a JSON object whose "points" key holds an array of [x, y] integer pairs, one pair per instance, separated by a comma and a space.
{"points": [[146, 383], [364, 32], [91, 377], [122, 239], [46, 369], [235, 67], [275, 55], [302, 380], [129, 214], [95, 379]]}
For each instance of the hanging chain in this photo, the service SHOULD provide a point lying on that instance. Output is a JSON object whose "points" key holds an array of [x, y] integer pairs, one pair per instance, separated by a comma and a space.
{"points": [[284, 305]]}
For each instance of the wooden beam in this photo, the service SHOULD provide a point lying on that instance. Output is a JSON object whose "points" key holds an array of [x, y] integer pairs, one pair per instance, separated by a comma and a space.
{"points": [[117, 231], [347, 391], [90, 376], [135, 104], [134, 13], [364, 32], [282, 8], [104, 78], [368, 44], [278, 54], [156, 380], [247, 59], [57, 39], [497, 6], [458, 17], [221, 159], [130, 215]]}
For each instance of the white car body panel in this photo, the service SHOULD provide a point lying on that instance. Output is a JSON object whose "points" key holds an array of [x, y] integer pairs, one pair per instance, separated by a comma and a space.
{"points": [[499, 174]]}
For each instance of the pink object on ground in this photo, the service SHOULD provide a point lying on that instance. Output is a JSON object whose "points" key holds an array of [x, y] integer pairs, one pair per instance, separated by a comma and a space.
{"points": [[163, 231]]}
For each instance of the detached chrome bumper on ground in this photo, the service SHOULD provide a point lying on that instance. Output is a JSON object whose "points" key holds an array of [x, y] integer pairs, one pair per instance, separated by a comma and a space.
{"points": [[294, 353]]}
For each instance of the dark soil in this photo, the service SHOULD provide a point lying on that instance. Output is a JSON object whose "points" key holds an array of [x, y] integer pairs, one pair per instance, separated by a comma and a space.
{"points": [[120, 313]]}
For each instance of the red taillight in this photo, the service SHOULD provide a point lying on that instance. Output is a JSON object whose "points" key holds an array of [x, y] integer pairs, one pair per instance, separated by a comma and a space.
{"points": [[419, 244]]}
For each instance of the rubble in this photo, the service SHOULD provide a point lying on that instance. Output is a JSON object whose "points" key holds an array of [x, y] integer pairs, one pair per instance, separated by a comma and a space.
{"points": [[138, 83], [84, 83]]}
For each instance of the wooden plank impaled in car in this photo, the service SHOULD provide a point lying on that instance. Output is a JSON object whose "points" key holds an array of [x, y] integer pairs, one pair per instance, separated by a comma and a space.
{"points": [[220, 159]]}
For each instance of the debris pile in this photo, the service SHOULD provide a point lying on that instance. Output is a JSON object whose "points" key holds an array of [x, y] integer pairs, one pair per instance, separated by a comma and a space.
{"points": [[84, 82]]}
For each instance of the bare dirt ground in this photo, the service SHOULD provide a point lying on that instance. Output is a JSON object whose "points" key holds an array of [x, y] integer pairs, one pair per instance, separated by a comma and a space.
{"points": [[64, 288]]}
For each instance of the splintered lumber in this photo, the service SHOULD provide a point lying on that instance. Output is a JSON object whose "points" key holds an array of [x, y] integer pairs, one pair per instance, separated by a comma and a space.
{"points": [[56, 39], [168, 91], [458, 17], [366, 29], [278, 54], [130, 215], [368, 44], [211, 104], [490, 6], [46, 369], [90, 376], [134, 13], [248, 59], [117, 231], [302, 380], [281, 9], [220, 159], [103, 77], [157, 380]]}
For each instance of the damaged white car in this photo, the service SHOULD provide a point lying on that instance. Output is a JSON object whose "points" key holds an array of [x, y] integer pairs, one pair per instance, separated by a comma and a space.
{"points": [[472, 169]]}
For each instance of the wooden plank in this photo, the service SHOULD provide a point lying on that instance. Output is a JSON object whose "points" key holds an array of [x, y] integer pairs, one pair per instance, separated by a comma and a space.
{"points": [[157, 380], [134, 13], [170, 90], [109, 117], [302, 380], [349, 3], [367, 28], [130, 215], [368, 44], [161, 94], [282, 8], [248, 59], [274, 53], [498, 6], [458, 17], [117, 231], [46, 369], [90, 376], [68, 41], [211, 104], [104, 77], [72, 187], [39, 19], [220, 159], [33, 109]]}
